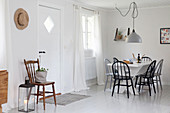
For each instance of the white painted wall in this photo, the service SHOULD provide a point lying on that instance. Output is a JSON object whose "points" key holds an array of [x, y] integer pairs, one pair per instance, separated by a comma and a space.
{"points": [[147, 25], [21, 44]]}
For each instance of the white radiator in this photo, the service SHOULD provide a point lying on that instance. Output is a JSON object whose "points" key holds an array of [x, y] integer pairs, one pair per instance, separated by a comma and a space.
{"points": [[90, 68]]}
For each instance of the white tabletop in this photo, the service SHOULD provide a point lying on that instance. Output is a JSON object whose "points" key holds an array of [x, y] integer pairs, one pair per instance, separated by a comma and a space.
{"points": [[136, 68], [135, 64]]}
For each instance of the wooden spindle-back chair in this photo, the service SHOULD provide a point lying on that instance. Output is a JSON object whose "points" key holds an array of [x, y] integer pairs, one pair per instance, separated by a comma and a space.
{"points": [[31, 66]]}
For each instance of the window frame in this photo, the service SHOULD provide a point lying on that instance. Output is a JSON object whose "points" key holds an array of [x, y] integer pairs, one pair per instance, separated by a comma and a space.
{"points": [[86, 46]]}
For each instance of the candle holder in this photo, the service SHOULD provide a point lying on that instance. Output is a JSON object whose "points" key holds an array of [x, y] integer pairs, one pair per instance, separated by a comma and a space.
{"points": [[26, 98]]}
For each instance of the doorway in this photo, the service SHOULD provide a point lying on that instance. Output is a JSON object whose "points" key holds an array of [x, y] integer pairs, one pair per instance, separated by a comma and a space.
{"points": [[49, 42]]}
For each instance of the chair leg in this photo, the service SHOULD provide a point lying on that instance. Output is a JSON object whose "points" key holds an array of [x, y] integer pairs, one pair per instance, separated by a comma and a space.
{"points": [[44, 96], [132, 87], [140, 83], [160, 82], [114, 86], [153, 86], [149, 86], [118, 86], [127, 88], [54, 93], [157, 83], [106, 84], [136, 81], [143, 83], [38, 87], [111, 81]]}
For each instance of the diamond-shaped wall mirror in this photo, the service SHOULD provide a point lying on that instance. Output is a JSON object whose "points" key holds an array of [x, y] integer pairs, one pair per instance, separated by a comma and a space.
{"points": [[49, 24]]}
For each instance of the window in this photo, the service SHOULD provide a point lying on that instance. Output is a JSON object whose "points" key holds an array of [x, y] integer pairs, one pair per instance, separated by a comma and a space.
{"points": [[88, 31]]}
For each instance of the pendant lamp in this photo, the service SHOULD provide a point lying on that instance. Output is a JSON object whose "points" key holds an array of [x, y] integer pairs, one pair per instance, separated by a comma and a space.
{"points": [[133, 37]]}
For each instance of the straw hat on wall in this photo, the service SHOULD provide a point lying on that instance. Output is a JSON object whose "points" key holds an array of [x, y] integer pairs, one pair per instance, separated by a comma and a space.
{"points": [[21, 19]]}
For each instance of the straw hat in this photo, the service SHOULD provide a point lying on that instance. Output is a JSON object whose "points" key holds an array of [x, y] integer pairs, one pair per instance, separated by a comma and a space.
{"points": [[21, 19]]}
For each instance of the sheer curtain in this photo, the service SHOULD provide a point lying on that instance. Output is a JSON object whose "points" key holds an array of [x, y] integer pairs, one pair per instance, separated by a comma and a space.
{"points": [[98, 49], [79, 81], [2, 36]]}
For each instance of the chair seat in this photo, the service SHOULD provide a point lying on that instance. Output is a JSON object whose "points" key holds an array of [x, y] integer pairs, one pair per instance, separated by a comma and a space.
{"points": [[146, 76], [156, 74], [140, 74], [145, 83], [43, 83], [109, 74], [123, 77]]}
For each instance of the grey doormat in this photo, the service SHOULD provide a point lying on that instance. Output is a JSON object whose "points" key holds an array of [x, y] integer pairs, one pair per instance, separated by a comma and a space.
{"points": [[65, 99]]}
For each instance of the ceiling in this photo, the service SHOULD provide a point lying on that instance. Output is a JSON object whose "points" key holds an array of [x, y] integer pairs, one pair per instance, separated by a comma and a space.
{"points": [[110, 4]]}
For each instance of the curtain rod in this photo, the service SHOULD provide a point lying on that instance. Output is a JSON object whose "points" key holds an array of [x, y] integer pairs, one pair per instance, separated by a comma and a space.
{"points": [[88, 9], [85, 8]]}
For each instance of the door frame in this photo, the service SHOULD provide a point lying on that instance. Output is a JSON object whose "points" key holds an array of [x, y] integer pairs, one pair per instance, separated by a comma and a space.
{"points": [[61, 9]]}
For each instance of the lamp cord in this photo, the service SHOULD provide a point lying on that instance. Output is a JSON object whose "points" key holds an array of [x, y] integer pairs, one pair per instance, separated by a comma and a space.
{"points": [[135, 8]]}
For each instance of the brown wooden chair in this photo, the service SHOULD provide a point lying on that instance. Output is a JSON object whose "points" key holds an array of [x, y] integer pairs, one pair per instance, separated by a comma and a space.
{"points": [[31, 71]]}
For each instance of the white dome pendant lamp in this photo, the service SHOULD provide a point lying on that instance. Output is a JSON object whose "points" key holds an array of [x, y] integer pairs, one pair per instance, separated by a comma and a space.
{"points": [[133, 37]]}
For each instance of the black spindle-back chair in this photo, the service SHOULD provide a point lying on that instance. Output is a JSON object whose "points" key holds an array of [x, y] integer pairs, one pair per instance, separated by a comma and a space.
{"points": [[115, 59], [121, 72], [148, 77], [145, 59], [158, 73]]}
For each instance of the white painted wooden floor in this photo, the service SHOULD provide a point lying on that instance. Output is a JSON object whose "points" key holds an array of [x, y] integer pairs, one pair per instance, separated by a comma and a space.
{"points": [[102, 102]]}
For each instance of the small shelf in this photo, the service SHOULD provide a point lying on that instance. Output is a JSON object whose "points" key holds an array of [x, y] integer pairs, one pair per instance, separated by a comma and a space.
{"points": [[121, 37]]}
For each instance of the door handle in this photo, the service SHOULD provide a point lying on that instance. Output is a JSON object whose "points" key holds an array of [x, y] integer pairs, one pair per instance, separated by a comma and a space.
{"points": [[40, 52]]}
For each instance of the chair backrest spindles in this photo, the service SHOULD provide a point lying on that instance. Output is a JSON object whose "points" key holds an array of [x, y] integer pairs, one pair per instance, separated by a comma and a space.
{"points": [[158, 68], [146, 59], [120, 69], [30, 68], [106, 66], [151, 69]]}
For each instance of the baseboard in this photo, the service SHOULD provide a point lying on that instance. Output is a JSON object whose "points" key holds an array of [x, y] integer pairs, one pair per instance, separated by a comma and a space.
{"points": [[91, 82]]}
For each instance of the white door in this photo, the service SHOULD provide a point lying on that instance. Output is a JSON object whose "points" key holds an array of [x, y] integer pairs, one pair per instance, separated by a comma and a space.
{"points": [[49, 34]]}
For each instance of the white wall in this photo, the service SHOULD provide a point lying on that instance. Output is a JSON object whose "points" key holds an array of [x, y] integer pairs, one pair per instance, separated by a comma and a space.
{"points": [[147, 25], [21, 44]]}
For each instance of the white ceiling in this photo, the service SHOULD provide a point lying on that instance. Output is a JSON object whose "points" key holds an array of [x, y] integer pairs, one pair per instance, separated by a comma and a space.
{"points": [[110, 4]]}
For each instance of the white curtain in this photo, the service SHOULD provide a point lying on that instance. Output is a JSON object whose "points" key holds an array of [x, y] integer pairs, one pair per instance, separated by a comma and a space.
{"points": [[2, 36], [79, 81], [99, 50]]}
